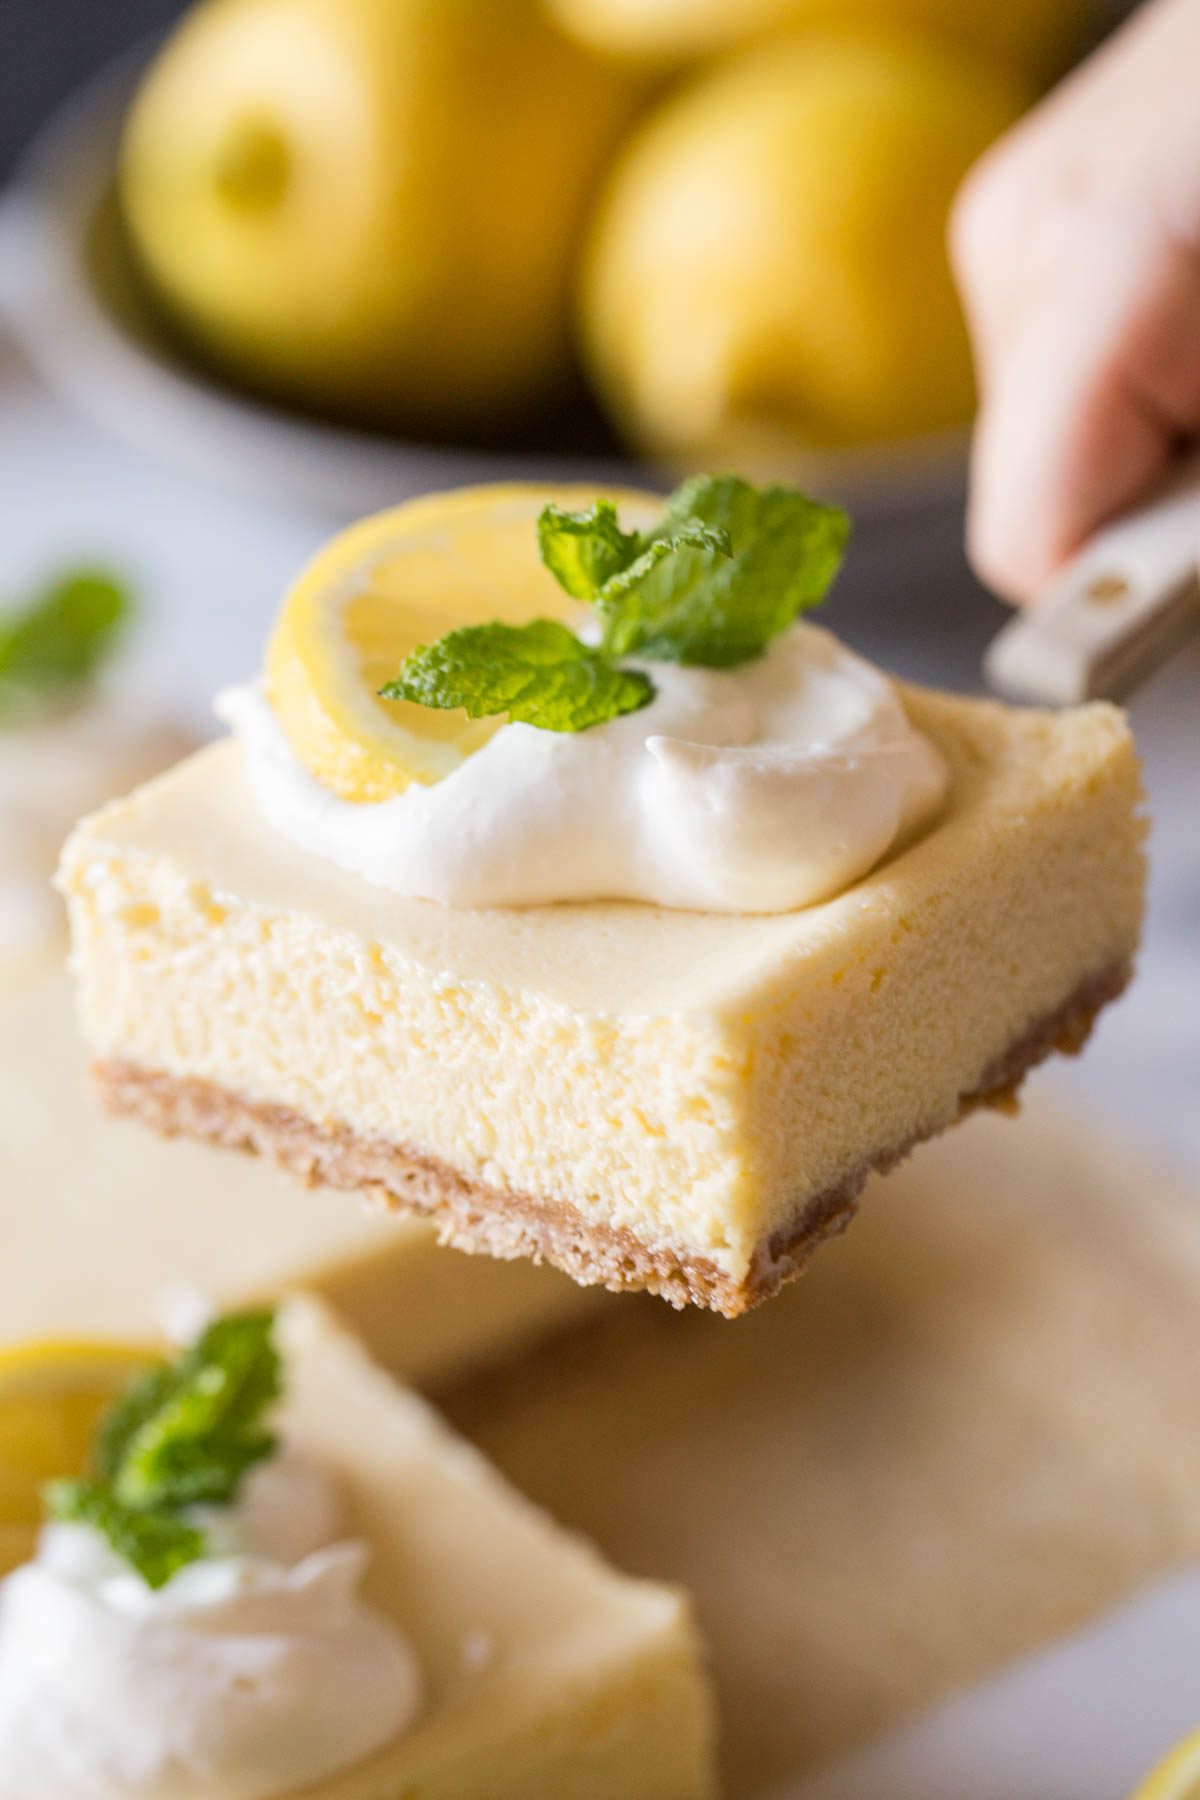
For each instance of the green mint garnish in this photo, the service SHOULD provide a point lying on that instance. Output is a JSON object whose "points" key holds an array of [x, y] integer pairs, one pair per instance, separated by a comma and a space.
{"points": [[189, 1432], [184, 1434], [583, 550], [721, 606], [57, 643], [156, 1544], [727, 568], [593, 559], [540, 674]]}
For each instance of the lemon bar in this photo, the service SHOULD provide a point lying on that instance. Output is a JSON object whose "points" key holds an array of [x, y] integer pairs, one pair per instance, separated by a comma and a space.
{"points": [[646, 1097], [488, 1656]]}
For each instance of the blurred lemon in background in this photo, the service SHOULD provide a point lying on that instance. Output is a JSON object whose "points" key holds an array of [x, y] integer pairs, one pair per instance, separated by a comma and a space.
{"points": [[1036, 35], [768, 265], [371, 206], [1178, 1777]]}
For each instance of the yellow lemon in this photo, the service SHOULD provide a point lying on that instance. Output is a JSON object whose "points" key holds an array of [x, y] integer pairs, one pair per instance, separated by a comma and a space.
{"points": [[52, 1393], [768, 268], [382, 588], [1036, 35], [1176, 1778], [371, 206]]}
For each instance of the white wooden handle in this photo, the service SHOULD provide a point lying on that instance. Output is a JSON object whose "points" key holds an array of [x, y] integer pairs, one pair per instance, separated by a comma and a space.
{"points": [[1115, 614]]}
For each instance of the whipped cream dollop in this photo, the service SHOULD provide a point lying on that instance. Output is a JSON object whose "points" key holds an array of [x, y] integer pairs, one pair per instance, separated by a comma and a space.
{"points": [[751, 790], [51, 773], [255, 1671]]}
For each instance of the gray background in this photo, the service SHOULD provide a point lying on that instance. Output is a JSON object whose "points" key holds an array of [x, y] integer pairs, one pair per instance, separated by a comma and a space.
{"points": [[48, 46]]}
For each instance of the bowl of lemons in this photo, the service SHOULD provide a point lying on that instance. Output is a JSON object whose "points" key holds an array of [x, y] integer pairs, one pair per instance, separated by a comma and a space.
{"points": [[344, 250]]}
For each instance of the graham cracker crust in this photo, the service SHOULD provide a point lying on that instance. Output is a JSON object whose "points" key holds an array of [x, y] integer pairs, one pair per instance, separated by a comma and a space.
{"points": [[475, 1217]]}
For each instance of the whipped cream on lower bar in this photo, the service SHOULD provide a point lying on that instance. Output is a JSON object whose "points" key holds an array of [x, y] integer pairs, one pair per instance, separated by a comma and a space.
{"points": [[751, 790], [254, 1672]]}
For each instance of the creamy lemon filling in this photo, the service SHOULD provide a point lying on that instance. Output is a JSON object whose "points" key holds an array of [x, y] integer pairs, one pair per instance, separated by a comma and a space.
{"points": [[255, 1670], [757, 789]]}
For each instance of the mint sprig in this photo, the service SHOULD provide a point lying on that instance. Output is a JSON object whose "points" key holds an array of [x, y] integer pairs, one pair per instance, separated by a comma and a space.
{"points": [[727, 568], [540, 674], [743, 563], [57, 643], [185, 1434], [188, 1433]]}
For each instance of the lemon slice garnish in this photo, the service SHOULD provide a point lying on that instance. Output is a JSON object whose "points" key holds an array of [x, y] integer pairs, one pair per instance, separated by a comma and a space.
{"points": [[52, 1393], [1177, 1777], [389, 584]]}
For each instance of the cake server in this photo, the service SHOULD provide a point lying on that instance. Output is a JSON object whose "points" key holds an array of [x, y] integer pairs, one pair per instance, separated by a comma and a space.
{"points": [[1119, 609]]}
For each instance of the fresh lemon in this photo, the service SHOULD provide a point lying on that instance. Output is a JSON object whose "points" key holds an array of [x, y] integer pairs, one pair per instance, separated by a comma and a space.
{"points": [[1177, 1777], [768, 270], [382, 588], [1035, 35], [372, 206], [52, 1393]]}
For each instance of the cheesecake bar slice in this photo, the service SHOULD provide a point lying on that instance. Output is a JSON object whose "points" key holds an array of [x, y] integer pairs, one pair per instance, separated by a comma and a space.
{"points": [[648, 1098], [99, 1220], [372, 1614]]}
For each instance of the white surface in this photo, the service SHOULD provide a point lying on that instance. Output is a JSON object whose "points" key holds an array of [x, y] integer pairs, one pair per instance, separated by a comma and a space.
{"points": [[1084, 1721], [209, 563]]}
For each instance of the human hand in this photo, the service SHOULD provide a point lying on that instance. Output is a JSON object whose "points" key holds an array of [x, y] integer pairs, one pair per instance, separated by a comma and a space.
{"points": [[1076, 245]]}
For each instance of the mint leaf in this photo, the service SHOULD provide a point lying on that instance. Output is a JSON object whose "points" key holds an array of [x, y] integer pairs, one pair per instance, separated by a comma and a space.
{"points": [[58, 642], [692, 534], [592, 558], [582, 550], [698, 605], [190, 1432], [156, 1544], [183, 1434], [540, 674]]}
